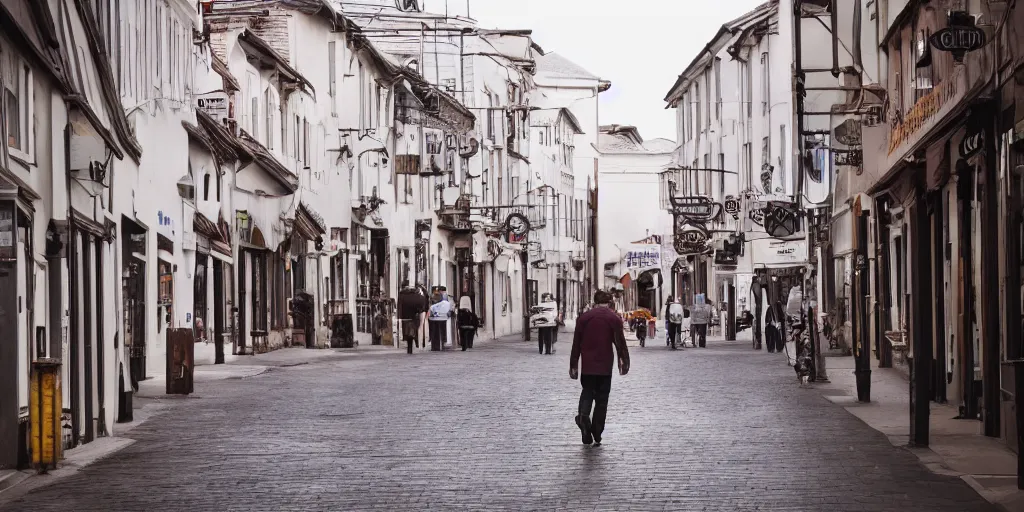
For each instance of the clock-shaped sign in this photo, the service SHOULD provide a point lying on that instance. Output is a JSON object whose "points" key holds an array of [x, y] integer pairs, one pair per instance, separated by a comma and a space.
{"points": [[517, 224]]}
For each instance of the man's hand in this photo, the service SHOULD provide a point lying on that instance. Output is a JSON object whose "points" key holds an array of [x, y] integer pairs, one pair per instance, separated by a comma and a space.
{"points": [[623, 367], [574, 373]]}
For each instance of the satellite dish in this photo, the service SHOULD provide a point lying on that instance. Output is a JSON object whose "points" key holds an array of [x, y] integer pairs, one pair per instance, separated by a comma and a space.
{"points": [[408, 5]]}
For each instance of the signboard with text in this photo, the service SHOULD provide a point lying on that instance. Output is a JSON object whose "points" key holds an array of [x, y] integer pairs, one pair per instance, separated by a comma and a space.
{"points": [[642, 257]]}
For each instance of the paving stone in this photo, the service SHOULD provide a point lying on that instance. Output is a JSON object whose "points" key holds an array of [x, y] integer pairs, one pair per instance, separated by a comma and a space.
{"points": [[717, 429]]}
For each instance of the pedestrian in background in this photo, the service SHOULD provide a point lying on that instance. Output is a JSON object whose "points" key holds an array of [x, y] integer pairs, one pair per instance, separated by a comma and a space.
{"points": [[700, 316], [467, 322], [667, 323], [674, 312], [440, 312], [597, 340], [411, 306]]}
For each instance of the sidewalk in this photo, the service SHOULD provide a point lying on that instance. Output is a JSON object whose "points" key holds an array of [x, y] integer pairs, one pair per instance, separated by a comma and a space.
{"points": [[956, 447]]}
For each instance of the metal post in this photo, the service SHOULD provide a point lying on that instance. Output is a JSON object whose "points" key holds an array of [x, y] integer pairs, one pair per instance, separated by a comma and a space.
{"points": [[921, 305], [990, 313], [526, 298], [862, 346]]}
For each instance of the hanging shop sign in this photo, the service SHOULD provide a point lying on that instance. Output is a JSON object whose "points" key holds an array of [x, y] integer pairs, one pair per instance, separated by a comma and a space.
{"points": [[766, 178], [695, 207], [971, 143], [848, 133], [726, 258], [960, 37], [732, 206], [777, 253], [682, 225], [642, 257], [691, 239], [781, 219], [517, 226]]}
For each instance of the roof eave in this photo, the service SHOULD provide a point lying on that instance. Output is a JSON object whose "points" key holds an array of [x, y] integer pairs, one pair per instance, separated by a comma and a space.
{"points": [[256, 47]]}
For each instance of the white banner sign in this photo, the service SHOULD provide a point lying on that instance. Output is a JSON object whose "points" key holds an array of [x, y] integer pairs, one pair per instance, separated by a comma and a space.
{"points": [[775, 253], [642, 257]]}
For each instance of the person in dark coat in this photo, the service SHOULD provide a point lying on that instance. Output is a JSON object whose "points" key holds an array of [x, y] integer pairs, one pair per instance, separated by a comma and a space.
{"points": [[467, 322], [411, 306], [597, 339]]}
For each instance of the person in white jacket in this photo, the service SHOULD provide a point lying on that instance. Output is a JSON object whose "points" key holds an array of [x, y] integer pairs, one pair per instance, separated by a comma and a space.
{"points": [[440, 312]]}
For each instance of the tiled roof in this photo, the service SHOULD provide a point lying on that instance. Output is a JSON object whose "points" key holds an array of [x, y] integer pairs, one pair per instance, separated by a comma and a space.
{"points": [[554, 64]]}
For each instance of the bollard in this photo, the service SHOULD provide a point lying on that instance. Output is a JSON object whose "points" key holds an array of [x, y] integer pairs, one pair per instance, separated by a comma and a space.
{"points": [[45, 414]]}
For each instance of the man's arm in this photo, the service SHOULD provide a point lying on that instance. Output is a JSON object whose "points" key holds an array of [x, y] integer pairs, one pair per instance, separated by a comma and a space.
{"points": [[619, 339], [577, 342]]}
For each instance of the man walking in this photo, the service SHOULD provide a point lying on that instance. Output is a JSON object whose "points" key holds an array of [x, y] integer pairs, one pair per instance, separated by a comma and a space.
{"points": [[674, 312], [700, 315], [411, 306], [597, 332]]}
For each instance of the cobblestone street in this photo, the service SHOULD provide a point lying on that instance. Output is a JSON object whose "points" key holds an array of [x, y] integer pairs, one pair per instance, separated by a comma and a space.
{"points": [[722, 428]]}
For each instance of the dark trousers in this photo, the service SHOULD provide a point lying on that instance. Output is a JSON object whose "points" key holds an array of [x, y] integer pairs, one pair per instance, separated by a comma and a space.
{"points": [[675, 332], [438, 334], [467, 338], [699, 334], [596, 389], [773, 339], [545, 338]]}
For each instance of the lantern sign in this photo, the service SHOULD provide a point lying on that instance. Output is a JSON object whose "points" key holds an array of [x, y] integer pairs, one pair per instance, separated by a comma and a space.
{"points": [[690, 238], [781, 219], [960, 37], [732, 206]]}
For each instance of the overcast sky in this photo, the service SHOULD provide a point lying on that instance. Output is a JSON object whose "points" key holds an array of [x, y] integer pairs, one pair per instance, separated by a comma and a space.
{"points": [[641, 46]]}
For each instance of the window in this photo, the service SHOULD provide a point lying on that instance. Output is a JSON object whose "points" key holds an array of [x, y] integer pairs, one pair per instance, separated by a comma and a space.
{"points": [[782, 147], [697, 107], [305, 142], [540, 138], [766, 91], [362, 97], [718, 88], [206, 187], [747, 163], [297, 138], [332, 73], [748, 87], [721, 175], [707, 99], [17, 103], [268, 118], [219, 180], [159, 43], [254, 115], [490, 117], [378, 94]]}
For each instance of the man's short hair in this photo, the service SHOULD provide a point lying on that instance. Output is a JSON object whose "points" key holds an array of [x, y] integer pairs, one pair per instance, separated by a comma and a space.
{"points": [[602, 297]]}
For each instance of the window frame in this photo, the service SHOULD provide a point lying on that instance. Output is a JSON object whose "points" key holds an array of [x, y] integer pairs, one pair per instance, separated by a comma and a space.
{"points": [[24, 96]]}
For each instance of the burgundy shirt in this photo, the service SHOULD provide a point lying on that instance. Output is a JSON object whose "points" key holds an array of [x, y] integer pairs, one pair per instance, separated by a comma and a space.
{"points": [[597, 331]]}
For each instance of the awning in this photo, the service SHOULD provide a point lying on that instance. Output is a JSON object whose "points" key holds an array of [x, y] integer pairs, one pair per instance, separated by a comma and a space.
{"points": [[309, 224], [205, 227]]}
